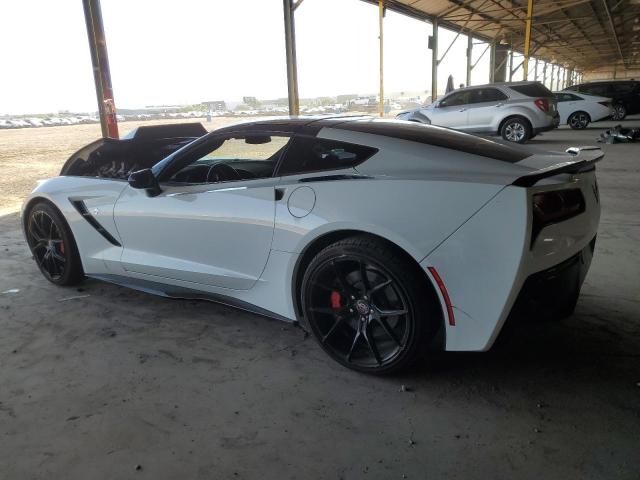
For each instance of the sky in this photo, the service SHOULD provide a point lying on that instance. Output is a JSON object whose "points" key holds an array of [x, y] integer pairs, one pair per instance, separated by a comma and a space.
{"points": [[164, 52]]}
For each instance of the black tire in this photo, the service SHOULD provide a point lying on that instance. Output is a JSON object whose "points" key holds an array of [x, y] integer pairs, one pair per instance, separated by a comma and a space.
{"points": [[52, 245], [578, 120], [516, 129], [368, 306], [619, 112]]}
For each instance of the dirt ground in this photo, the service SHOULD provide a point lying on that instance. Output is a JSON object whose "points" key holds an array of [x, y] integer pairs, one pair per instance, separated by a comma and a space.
{"points": [[102, 382]]}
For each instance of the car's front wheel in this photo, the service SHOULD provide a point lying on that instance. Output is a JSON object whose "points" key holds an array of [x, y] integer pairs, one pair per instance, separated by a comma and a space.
{"points": [[578, 120], [52, 245], [516, 129], [367, 306], [619, 112]]}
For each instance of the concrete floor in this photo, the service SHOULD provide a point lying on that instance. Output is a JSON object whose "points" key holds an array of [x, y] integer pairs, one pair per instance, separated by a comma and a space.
{"points": [[92, 387]]}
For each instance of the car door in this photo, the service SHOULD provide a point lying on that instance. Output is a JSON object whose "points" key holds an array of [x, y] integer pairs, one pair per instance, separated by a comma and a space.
{"points": [[484, 105], [566, 103], [207, 225], [451, 111]]}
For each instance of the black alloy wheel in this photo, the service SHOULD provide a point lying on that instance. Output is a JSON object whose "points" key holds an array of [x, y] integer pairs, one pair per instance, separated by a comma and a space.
{"points": [[578, 120], [365, 313], [619, 112], [52, 245]]}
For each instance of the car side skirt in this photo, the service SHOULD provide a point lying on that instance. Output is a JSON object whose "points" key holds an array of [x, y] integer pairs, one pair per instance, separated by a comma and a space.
{"points": [[178, 292]]}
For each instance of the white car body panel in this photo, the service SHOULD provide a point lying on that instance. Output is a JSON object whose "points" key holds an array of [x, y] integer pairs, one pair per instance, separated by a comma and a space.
{"points": [[241, 217], [454, 211]]}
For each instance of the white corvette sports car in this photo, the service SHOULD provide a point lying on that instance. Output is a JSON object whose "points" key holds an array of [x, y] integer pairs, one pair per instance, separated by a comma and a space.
{"points": [[379, 237]]}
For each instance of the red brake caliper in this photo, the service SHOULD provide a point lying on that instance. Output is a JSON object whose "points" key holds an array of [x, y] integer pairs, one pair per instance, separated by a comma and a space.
{"points": [[335, 300], [62, 248]]}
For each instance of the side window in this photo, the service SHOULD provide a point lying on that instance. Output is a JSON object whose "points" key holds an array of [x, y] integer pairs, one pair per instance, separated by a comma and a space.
{"points": [[232, 158], [455, 99], [597, 90], [311, 154], [621, 88], [566, 97], [481, 95]]}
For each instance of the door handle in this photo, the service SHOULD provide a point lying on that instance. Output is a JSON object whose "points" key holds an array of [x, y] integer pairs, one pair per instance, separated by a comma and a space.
{"points": [[499, 104], [462, 110]]}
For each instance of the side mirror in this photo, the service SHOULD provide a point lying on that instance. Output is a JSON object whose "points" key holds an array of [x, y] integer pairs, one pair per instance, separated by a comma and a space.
{"points": [[145, 179]]}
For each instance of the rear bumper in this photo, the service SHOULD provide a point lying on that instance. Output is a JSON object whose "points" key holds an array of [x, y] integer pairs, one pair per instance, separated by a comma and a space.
{"points": [[554, 124], [554, 287]]}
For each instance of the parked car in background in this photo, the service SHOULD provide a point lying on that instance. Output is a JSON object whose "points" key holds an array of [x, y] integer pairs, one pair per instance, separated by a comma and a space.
{"points": [[625, 95], [517, 111], [578, 109]]}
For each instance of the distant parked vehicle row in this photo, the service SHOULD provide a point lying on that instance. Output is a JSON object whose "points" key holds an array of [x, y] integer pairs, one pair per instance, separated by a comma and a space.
{"points": [[35, 122], [517, 111], [624, 95]]}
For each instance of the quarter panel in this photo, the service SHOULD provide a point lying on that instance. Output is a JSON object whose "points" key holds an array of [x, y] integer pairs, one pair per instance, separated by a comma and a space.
{"points": [[415, 215], [481, 265]]}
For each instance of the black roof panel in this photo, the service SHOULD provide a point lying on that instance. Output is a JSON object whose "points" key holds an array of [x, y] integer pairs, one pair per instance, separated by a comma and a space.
{"points": [[436, 136]]}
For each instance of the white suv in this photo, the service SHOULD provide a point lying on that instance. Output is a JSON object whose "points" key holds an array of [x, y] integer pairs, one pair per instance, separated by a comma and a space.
{"points": [[517, 111]]}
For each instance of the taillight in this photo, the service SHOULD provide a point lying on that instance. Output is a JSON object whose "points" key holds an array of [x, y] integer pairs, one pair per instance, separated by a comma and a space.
{"points": [[555, 206], [542, 104]]}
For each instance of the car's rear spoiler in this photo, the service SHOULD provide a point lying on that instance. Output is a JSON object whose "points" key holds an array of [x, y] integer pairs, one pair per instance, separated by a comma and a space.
{"points": [[585, 159]]}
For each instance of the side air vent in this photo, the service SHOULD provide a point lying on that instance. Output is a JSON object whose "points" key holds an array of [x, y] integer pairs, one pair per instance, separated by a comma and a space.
{"points": [[82, 210]]}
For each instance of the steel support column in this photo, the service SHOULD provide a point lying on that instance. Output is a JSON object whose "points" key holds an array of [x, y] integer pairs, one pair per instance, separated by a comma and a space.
{"points": [[553, 67], [101, 72], [381, 45], [292, 65], [469, 53], [434, 61], [535, 71], [559, 79], [527, 38], [544, 74], [492, 61], [510, 65]]}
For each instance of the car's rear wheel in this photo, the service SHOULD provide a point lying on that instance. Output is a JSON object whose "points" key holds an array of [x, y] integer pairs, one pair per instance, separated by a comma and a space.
{"points": [[619, 112], [367, 306], [516, 129], [52, 245], [578, 120]]}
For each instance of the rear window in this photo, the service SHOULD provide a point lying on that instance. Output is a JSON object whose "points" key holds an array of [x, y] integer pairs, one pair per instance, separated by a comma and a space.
{"points": [[439, 137], [532, 90], [311, 154]]}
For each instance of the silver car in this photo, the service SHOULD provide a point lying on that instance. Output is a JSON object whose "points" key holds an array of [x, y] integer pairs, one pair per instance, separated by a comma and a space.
{"points": [[517, 111]]}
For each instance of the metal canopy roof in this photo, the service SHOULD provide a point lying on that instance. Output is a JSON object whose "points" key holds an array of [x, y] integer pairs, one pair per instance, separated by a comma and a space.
{"points": [[582, 34]]}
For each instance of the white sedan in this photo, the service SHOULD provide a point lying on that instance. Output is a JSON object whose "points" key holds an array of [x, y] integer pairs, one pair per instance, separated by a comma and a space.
{"points": [[578, 110], [380, 237]]}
